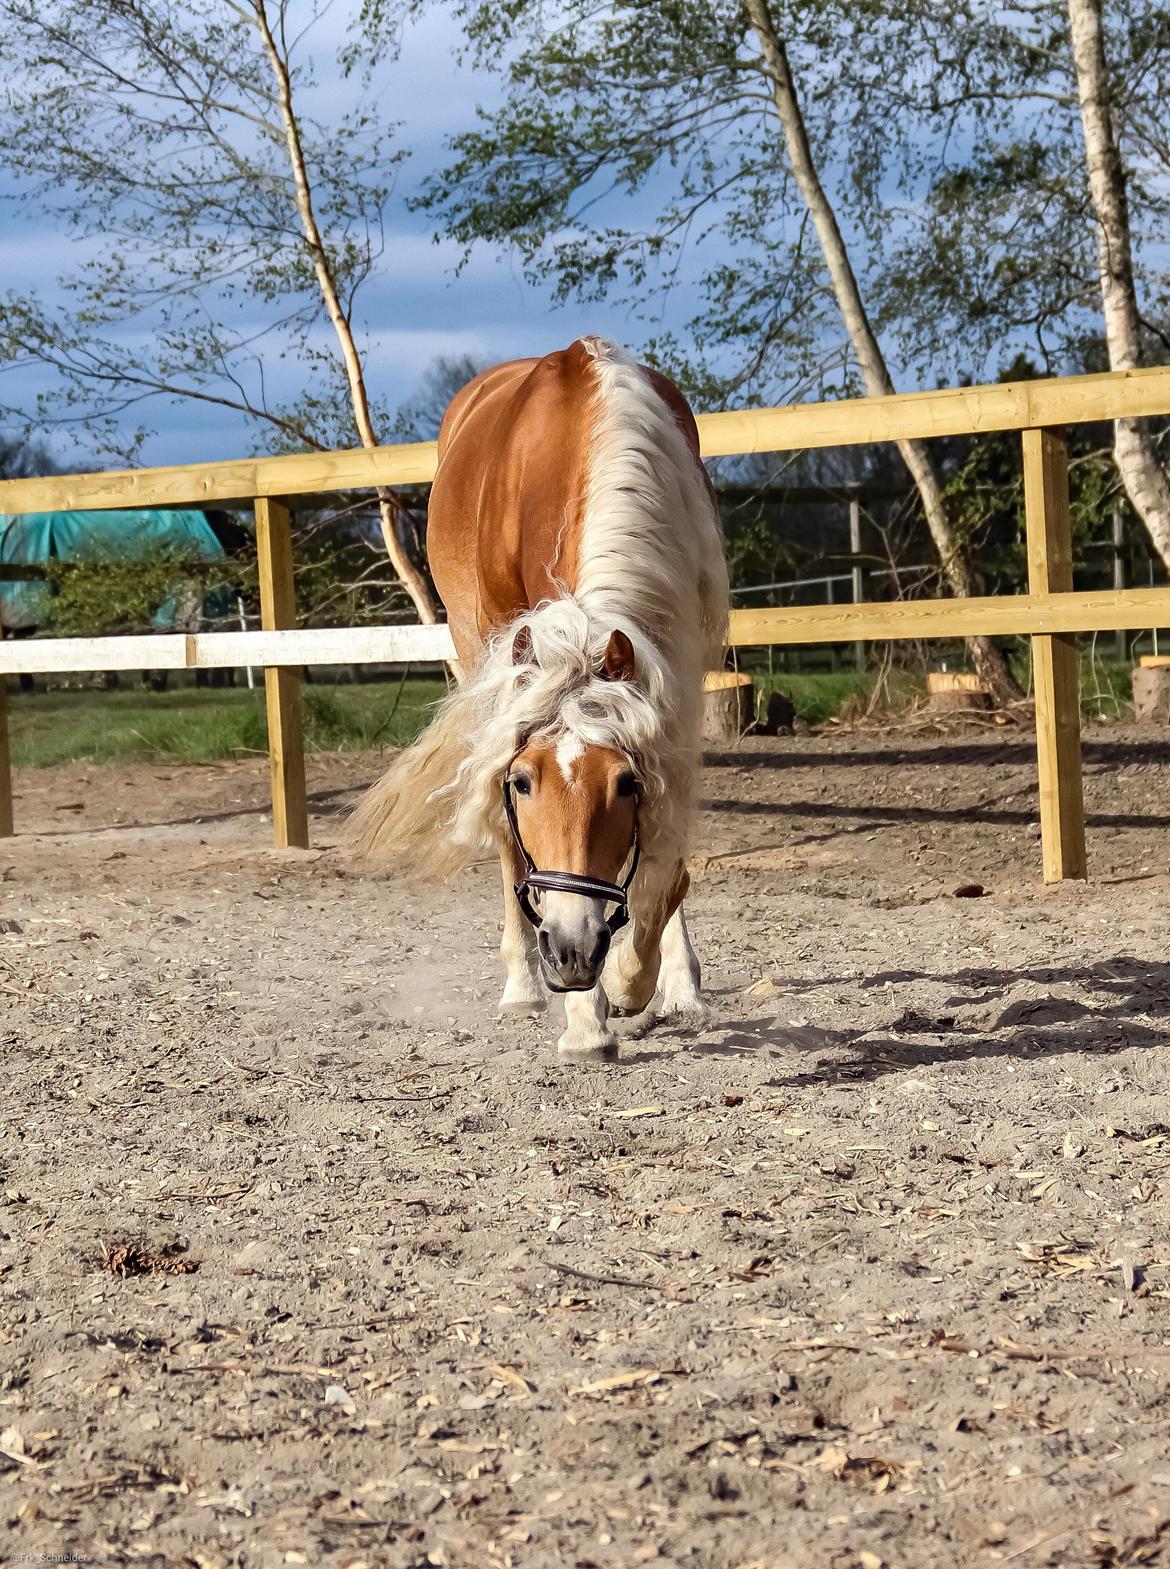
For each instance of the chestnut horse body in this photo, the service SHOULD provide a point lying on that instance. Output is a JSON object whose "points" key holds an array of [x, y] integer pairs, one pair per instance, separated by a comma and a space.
{"points": [[573, 537]]}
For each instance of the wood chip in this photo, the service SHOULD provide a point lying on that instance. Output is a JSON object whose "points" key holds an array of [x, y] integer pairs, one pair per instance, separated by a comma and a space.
{"points": [[635, 1378], [509, 1375]]}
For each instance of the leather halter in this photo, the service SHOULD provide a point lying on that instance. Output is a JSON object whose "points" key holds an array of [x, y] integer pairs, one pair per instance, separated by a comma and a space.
{"points": [[568, 882]]}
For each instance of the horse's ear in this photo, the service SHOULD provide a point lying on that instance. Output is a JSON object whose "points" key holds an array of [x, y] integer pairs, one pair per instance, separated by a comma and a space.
{"points": [[522, 647], [619, 658]]}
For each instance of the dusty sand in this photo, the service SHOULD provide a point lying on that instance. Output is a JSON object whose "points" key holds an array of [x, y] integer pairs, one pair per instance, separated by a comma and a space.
{"points": [[875, 1269]]}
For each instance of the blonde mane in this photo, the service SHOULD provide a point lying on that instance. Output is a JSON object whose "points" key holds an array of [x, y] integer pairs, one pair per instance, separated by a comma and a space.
{"points": [[650, 565]]}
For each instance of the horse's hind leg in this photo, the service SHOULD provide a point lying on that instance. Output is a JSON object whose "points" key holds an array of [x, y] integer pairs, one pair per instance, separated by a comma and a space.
{"points": [[679, 973], [523, 992]]}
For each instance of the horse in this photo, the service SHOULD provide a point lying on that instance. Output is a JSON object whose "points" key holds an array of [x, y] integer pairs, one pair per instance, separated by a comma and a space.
{"points": [[573, 537]]}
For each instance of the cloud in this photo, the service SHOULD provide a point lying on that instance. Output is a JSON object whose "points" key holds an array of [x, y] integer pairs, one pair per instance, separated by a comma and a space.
{"points": [[415, 307]]}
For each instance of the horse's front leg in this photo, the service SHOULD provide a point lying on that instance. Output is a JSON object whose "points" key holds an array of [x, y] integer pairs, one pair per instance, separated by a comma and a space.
{"points": [[587, 1031], [633, 973], [523, 992], [679, 974]]}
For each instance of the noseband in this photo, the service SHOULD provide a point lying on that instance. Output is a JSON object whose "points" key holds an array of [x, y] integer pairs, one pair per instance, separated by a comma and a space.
{"points": [[568, 882]]}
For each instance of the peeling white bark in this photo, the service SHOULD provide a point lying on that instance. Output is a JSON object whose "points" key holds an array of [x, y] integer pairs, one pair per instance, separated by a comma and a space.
{"points": [[1142, 472], [408, 574], [986, 658]]}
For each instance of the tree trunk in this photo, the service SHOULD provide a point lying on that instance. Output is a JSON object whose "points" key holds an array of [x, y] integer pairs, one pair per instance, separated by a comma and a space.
{"points": [[988, 661], [1134, 450], [388, 507]]}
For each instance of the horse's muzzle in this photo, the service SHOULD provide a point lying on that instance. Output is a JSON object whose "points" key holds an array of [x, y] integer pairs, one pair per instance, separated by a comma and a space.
{"points": [[566, 964]]}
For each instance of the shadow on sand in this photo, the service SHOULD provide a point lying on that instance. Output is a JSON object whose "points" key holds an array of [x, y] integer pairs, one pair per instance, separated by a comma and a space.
{"points": [[1123, 1005]]}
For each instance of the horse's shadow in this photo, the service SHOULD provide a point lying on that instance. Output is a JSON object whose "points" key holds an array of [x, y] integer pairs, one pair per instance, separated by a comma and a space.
{"points": [[1121, 1006]]}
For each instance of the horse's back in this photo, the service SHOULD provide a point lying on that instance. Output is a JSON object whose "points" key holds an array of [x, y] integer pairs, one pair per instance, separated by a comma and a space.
{"points": [[508, 491], [504, 523]]}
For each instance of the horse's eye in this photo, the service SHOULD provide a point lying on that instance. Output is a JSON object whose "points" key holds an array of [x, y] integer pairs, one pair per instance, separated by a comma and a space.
{"points": [[627, 784], [521, 784]]}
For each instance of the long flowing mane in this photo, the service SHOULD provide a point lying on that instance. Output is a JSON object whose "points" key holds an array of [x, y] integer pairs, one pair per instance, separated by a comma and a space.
{"points": [[650, 564]]}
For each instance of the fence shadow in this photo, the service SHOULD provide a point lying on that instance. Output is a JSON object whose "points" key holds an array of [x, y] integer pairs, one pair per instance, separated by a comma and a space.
{"points": [[1124, 1003], [322, 803], [869, 813], [961, 754]]}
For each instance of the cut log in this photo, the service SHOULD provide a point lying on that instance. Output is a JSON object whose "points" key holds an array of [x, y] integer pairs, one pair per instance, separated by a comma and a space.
{"points": [[1151, 691], [729, 706], [956, 691]]}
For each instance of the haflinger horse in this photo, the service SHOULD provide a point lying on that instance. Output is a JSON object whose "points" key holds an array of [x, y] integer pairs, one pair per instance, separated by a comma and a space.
{"points": [[573, 536]]}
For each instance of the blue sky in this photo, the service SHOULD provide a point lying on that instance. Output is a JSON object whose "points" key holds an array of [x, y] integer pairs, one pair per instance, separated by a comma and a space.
{"points": [[416, 308], [413, 311]]}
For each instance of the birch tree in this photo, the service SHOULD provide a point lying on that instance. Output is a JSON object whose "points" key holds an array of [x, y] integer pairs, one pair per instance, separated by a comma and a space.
{"points": [[867, 351], [221, 222], [1138, 461], [696, 109], [1041, 221]]}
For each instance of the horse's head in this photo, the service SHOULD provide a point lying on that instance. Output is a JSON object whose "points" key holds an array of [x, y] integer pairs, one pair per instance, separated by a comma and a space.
{"points": [[574, 809]]}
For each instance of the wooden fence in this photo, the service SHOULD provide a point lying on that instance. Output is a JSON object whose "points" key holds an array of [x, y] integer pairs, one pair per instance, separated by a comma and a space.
{"points": [[1050, 613]]}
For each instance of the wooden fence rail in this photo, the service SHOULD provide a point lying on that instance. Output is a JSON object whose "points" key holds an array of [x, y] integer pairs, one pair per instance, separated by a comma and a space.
{"points": [[956, 411], [1051, 614]]}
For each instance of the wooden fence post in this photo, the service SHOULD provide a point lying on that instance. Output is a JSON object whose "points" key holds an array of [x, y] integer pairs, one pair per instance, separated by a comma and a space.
{"points": [[282, 688], [6, 826], [1054, 659]]}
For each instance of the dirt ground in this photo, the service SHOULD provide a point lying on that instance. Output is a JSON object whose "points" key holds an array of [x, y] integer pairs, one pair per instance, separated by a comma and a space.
{"points": [[872, 1270]]}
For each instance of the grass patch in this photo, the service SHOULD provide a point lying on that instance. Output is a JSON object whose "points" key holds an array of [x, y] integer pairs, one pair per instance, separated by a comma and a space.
{"points": [[822, 695], [1106, 689], [204, 725]]}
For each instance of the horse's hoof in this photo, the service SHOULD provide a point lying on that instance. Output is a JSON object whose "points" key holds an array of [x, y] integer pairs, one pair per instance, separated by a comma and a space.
{"points": [[691, 1013], [604, 1049], [625, 1013]]}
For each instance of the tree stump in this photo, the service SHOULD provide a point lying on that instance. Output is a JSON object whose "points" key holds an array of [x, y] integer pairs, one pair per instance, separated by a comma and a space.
{"points": [[729, 706], [1151, 690], [956, 691]]}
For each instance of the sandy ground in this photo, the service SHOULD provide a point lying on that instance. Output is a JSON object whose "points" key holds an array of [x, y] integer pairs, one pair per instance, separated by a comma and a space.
{"points": [[874, 1270]]}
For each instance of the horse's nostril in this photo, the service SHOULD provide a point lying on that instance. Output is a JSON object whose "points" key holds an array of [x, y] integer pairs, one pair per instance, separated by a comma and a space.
{"points": [[574, 958], [553, 951]]}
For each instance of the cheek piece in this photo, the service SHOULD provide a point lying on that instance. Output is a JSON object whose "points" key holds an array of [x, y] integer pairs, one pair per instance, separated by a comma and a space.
{"points": [[568, 882]]}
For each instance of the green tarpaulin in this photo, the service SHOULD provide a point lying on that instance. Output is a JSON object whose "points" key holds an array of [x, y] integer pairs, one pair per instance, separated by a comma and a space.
{"points": [[35, 537]]}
